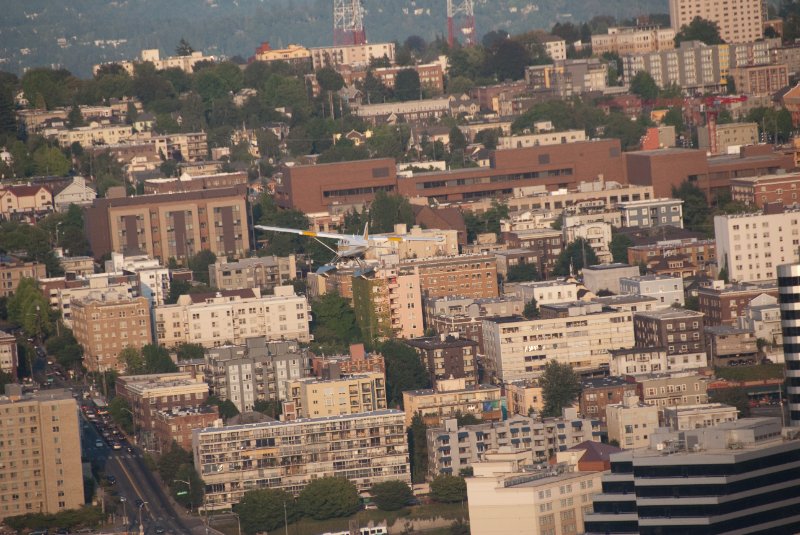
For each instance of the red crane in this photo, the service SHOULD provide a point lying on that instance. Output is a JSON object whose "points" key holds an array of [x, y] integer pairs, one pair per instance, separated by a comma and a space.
{"points": [[711, 106]]}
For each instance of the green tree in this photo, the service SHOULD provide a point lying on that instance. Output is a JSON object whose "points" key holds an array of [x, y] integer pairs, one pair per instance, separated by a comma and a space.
{"points": [[119, 409], [575, 257], [171, 461], [418, 448], [184, 48], [391, 495], [531, 309], [187, 351], [509, 60], [736, 397], [388, 209], [29, 309], [271, 407], [674, 117], [177, 288], [696, 215], [457, 139], [700, 29], [199, 265], [75, 117], [227, 409], [619, 247], [194, 491], [50, 161], [560, 388], [448, 489], [263, 510], [329, 497], [459, 85], [132, 360], [522, 272], [404, 370], [157, 359], [407, 85], [642, 84], [65, 348], [333, 322]]}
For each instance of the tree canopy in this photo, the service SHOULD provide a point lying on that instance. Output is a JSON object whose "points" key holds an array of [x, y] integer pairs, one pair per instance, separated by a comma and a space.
{"points": [[700, 29], [448, 489], [329, 497], [263, 510], [560, 387], [391, 495], [644, 85], [575, 256], [619, 247], [404, 370], [333, 323], [29, 309]]}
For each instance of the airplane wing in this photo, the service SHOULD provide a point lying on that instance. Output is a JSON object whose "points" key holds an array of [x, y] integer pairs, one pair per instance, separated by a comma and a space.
{"points": [[395, 238], [341, 237]]}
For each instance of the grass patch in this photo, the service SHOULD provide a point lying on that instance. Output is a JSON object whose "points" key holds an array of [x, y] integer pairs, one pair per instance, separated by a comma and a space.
{"points": [[750, 373]]}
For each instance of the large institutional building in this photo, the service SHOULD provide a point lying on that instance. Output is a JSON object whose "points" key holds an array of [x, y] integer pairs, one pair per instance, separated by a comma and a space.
{"points": [[739, 21]]}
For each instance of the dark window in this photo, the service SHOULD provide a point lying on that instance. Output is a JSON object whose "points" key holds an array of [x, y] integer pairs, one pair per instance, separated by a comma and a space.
{"points": [[380, 172], [544, 159]]}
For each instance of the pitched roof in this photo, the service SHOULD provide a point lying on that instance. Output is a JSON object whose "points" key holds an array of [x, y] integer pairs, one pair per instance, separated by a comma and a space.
{"points": [[595, 451]]}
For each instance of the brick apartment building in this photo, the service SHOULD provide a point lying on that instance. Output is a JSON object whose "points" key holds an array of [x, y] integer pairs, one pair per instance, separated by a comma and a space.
{"points": [[153, 186], [680, 330], [13, 270], [448, 357], [176, 425], [599, 392], [724, 304], [766, 189]]}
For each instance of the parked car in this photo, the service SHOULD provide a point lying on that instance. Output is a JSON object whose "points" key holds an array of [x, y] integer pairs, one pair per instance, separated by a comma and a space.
{"points": [[98, 443]]}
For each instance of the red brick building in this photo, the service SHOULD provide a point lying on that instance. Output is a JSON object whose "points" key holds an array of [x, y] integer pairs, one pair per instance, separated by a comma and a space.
{"points": [[766, 189], [176, 425], [723, 305]]}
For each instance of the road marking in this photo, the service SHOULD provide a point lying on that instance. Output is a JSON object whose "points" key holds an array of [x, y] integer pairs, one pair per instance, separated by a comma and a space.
{"points": [[133, 484]]}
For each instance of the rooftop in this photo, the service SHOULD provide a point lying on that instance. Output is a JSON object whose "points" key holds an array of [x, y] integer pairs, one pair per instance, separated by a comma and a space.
{"points": [[671, 314], [299, 421], [607, 267], [603, 382], [430, 391], [436, 342]]}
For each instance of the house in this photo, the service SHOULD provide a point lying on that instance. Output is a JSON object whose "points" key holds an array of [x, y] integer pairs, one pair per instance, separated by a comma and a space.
{"points": [[76, 192], [24, 201]]}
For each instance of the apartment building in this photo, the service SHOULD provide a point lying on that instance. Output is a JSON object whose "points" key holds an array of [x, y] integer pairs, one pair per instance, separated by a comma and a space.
{"points": [[652, 213], [188, 182], [738, 23], [256, 370], [13, 270], [95, 134], [507, 305], [633, 40], [152, 55], [8, 354], [352, 55], [62, 291], [693, 66], [336, 396], [24, 201], [579, 334], [539, 247], [165, 226], [638, 361], [80, 266], [680, 330], [596, 234], [631, 422], [724, 304], [153, 278], [543, 292], [176, 425], [598, 393], [540, 138], [388, 302], [666, 289], [365, 448], [447, 244], [148, 395], [728, 137], [789, 279], [425, 111], [452, 397], [354, 362], [453, 448], [671, 389], [264, 272], [568, 77], [524, 397], [750, 246], [728, 345], [607, 276], [700, 253], [505, 496], [40, 470], [766, 189], [106, 323], [686, 417], [231, 316], [656, 489], [448, 356], [291, 54]]}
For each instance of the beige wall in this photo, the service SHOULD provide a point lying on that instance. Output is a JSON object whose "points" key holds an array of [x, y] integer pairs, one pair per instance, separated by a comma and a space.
{"points": [[95, 135], [315, 398], [632, 426], [739, 21]]}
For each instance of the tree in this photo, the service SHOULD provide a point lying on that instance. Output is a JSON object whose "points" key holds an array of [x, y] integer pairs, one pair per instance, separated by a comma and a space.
{"points": [[329, 497], [187, 351], [531, 309], [560, 388], [177, 288], [494, 38], [132, 360], [674, 117], [575, 257], [404, 370], [459, 85], [199, 265], [50, 161], [509, 60], [171, 461], [271, 407], [333, 322], [619, 247], [696, 216], [642, 84], [29, 309], [736, 397], [418, 448], [65, 348], [157, 360], [522, 272], [227, 409], [699, 29], [407, 85], [75, 117], [190, 495], [387, 210], [448, 489], [184, 48], [120, 411], [263, 510], [457, 139], [391, 495]]}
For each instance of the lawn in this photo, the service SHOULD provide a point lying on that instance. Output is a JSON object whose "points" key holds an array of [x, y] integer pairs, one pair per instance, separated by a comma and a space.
{"points": [[750, 373]]}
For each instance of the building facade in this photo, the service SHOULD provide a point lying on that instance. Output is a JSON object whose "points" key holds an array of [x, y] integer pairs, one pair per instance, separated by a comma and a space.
{"points": [[631, 422], [13, 270], [448, 357], [633, 40], [666, 289], [789, 298], [347, 394], [607, 276], [388, 303], [681, 331], [724, 304], [452, 397], [264, 272], [652, 213], [8, 354], [739, 23]]}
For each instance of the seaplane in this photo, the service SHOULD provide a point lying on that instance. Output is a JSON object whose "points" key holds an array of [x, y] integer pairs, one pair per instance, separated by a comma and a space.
{"points": [[350, 246]]}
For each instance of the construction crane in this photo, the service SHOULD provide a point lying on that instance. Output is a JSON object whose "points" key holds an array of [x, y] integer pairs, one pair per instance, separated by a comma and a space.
{"points": [[711, 108], [348, 23], [461, 19]]}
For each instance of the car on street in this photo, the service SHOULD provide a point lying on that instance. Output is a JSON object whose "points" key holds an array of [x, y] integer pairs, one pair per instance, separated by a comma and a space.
{"points": [[116, 446], [98, 443], [159, 529], [111, 480], [139, 502]]}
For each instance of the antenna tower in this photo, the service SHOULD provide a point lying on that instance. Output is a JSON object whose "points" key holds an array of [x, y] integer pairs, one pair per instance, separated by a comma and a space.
{"points": [[348, 23], [460, 19]]}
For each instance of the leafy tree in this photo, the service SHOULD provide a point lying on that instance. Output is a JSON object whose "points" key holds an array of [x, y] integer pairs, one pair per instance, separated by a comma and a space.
{"points": [[344, 151], [184, 48], [227, 409], [171, 461], [560, 387], [8, 119], [619, 247], [674, 117], [391, 495], [736, 397], [133, 360], [448, 489], [418, 448], [642, 84], [50, 161], [575, 257], [271, 407], [488, 221], [6, 379], [522, 272], [157, 359], [65, 348], [466, 419], [199, 265], [629, 132], [187, 351], [329, 497], [75, 117], [334, 322], [509, 60], [388, 209], [696, 216], [494, 38], [177, 288], [404, 370], [699, 29], [407, 85], [263, 510], [29, 309], [531, 309], [488, 137], [194, 491], [459, 85], [119, 409]]}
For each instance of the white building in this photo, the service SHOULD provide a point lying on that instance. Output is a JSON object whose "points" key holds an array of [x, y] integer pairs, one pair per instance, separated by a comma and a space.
{"points": [[442, 243], [739, 22], [652, 213], [540, 139], [578, 334], [230, 317], [685, 417], [751, 246], [76, 192], [596, 233], [545, 292], [762, 316], [154, 279], [631, 422], [352, 55], [638, 361], [666, 289]]}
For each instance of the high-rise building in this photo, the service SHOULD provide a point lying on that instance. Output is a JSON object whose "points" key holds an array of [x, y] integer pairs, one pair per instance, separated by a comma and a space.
{"points": [[739, 22], [336, 396], [40, 452], [789, 297], [388, 303]]}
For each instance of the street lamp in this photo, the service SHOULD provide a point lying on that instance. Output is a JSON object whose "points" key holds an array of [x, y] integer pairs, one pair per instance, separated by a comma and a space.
{"points": [[190, 491], [141, 526], [124, 501]]}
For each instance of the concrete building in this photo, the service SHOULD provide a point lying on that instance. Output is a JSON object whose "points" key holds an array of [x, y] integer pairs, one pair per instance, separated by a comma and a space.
{"points": [[638, 361], [544, 292], [95, 134], [292, 54], [80, 266], [633, 40], [524, 397], [505, 497], [540, 138], [265, 272], [352, 55], [631, 422], [729, 137], [751, 246], [175, 425], [355, 362], [680, 330], [740, 23], [453, 448], [540, 247], [507, 305], [419, 250], [451, 397], [105, 323], [731, 346], [789, 285], [652, 213], [153, 278], [724, 304], [671, 389], [567, 77], [187, 182], [607, 276], [41, 470], [152, 55], [627, 303], [666, 289], [579, 334], [388, 303], [656, 489], [762, 317], [598, 393], [178, 225], [9, 357], [365, 448], [257, 370], [232, 316], [693, 66], [695, 252], [686, 417], [597, 234], [336, 396], [759, 80], [448, 356], [13, 270]]}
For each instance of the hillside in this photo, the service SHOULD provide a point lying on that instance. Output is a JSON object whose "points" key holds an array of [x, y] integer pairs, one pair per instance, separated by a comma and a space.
{"points": [[79, 33]]}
